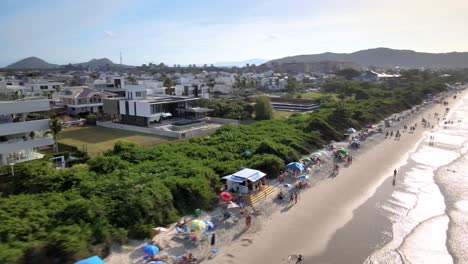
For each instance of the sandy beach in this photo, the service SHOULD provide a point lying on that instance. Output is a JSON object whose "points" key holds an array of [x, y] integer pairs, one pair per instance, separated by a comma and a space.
{"points": [[335, 221], [318, 226]]}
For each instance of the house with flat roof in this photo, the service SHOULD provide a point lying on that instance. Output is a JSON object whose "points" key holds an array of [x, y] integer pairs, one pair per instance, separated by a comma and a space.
{"points": [[22, 130], [145, 111]]}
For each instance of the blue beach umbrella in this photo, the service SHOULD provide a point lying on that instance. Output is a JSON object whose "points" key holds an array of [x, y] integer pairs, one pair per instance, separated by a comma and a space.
{"points": [[91, 260], [303, 177], [295, 166], [351, 130], [151, 250]]}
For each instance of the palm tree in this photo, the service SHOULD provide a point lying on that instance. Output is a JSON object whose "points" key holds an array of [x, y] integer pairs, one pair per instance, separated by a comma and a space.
{"points": [[55, 127]]}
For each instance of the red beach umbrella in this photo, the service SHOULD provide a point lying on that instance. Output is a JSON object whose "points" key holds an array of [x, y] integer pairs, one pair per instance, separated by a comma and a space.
{"points": [[225, 196]]}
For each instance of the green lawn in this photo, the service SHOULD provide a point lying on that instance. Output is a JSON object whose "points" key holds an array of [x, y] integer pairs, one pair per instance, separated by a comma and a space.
{"points": [[282, 114], [96, 140]]}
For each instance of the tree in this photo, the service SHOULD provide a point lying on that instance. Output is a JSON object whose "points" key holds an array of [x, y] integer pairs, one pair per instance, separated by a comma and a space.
{"points": [[211, 83], [168, 83], [263, 108], [55, 127], [292, 87], [348, 73]]}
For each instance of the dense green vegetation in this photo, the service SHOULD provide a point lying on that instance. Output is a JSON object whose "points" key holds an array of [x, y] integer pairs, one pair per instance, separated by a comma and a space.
{"points": [[263, 108], [61, 215]]}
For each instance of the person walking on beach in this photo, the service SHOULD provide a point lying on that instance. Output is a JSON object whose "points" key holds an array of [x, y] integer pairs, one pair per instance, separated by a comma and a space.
{"points": [[248, 221], [295, 198], [213, 239], [394, 173]]}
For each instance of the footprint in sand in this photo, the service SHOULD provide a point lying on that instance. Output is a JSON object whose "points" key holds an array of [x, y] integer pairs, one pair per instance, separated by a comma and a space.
{"points": [[246, 242]]}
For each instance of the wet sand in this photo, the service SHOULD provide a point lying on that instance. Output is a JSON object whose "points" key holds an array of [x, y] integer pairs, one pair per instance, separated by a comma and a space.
{"points": [[336, 221]]}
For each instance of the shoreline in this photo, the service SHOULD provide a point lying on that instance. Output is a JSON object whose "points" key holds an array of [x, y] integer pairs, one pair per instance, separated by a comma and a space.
{"points": [[310, 227], [341, 197]]}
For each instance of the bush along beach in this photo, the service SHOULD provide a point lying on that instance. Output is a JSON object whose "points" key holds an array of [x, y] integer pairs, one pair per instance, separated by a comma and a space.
{"points": [[58, 216]]}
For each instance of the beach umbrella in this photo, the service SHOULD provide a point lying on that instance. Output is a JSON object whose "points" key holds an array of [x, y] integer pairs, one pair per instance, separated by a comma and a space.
{"points": [[287, 185], [197, 225], [315, 155], [303, 177], [342, 151], [306, 159], [351, 130], [295, 166], [151, 249], [91, 260], [232, 205], [225, 196]]}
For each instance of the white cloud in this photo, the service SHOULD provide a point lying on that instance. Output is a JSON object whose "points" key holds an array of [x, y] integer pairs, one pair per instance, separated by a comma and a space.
{"points": [[109, 34], [273, 36]]}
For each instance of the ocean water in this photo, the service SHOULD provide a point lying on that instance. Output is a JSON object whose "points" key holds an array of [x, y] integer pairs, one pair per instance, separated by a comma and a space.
{"points": [[428, 208]]}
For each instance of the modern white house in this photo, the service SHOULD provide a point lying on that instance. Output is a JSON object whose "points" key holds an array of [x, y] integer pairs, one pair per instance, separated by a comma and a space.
{"points": [[21, 133], [42, 86]]}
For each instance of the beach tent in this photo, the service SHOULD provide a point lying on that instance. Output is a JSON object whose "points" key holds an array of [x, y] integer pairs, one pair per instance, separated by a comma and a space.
{"points": [[232, 205], [151, 249], [351, 130], [315, 155], [295, 166], [306, 159], [91, 260]]}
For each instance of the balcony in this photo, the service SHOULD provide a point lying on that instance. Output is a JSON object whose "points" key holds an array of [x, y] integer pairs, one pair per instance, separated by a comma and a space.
{"points": [[20, 144], [23, 127]]}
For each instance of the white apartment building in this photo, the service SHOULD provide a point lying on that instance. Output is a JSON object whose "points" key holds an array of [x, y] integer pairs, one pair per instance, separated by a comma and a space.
{"points": [[20, 133], [224, 84]]}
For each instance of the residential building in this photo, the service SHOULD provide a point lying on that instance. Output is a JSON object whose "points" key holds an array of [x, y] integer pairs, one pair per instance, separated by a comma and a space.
{"points": [[224, 84], [83, 100], [22, 130], [40, 86], [138, 110], [372, 76]]}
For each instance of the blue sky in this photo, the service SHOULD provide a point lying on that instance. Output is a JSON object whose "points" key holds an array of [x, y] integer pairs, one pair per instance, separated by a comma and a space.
{"points": [[203, 31]]}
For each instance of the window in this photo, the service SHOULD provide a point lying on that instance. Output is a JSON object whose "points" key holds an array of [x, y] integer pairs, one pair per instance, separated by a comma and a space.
{"points": [[44, 87], [156, 108], [138, 94], [126, 108]]}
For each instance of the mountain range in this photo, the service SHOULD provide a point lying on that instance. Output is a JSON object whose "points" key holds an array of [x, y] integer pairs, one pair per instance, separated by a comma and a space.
{"points": [[39, 64], [385, 58], [32, 63], [379, 57]]}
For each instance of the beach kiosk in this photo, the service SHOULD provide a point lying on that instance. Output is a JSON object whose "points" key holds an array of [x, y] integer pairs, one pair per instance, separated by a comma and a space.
{"points": [[244, 181]]}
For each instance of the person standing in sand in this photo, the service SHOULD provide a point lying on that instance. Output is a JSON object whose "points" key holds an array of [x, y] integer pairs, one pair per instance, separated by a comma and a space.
{"points": [[394, 173], [248, 221]]}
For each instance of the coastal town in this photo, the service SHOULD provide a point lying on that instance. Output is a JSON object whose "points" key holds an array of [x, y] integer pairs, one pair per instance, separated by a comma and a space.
{"points": [[220, 132]]}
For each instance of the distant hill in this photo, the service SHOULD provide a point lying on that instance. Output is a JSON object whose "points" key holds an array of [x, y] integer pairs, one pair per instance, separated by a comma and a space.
{"points": [[101, 63], [386, 58], [240, 63], [32, 63]]}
